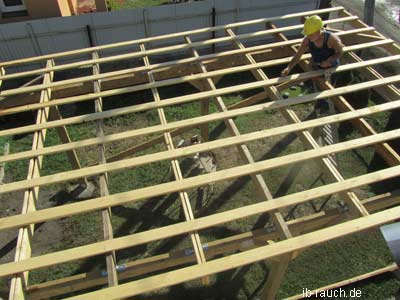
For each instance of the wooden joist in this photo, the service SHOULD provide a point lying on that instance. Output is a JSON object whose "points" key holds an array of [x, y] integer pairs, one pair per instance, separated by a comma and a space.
{"points": [[171, 187], [241, 259], [119, 91], [197, 224], [23, 251], [108, 234], [202, 96]]}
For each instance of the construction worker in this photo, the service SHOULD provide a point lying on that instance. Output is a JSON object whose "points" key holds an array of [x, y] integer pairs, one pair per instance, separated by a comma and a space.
{"points": [[325, 48]]}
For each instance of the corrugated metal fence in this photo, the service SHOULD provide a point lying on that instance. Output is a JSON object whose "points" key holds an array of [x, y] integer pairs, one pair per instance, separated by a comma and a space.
{"points": [[37, 37]]}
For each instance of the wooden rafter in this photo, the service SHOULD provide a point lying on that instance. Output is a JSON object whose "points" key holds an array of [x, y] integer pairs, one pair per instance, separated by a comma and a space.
{"points": [[111, 260]]}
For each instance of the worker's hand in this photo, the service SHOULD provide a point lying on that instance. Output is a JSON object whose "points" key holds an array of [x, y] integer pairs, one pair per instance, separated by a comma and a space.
{"points": [[325, 64], [285, 72]]}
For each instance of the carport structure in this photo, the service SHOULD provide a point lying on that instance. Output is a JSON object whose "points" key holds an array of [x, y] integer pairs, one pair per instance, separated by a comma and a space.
{"points": [[203, 71]]}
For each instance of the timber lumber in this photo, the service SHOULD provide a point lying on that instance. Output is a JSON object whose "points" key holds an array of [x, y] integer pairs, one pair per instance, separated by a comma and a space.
{"points": [[258, 180], [111, 260], [198, 96], [19, 283], [124, 90], [188, 183], [277, 243], [138, 161], [235, 243], [199, 223], [241, 259], [183, 195]]}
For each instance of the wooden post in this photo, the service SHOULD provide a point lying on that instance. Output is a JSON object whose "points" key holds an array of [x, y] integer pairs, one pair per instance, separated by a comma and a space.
{"points": [[275, 277]]}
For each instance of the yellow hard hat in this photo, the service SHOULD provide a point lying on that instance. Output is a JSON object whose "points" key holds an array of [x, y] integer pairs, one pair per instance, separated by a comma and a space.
{"points": [[312, 24]]}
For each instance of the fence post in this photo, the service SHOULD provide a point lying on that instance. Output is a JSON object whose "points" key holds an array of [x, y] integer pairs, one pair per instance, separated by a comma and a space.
{"points": [[213, 25], [33, 39], [369, 8]]}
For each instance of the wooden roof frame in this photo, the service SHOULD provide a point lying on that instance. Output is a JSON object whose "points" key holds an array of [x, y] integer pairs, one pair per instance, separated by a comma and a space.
{"points": [[290, 236]]}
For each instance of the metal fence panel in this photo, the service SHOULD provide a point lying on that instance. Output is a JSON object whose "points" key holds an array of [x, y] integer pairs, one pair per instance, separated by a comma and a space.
{"points": [[32, 38]]}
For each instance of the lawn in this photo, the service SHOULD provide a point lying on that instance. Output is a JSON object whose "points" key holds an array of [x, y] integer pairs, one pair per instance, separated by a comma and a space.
{"points": [[320, 265], [131, 4]]}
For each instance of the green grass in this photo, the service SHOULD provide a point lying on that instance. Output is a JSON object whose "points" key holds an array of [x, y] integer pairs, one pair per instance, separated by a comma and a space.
{"points": [[131, 4], [315, 267]]}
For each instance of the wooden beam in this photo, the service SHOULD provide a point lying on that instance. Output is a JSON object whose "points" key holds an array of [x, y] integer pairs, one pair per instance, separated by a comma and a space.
{"points": [[54, 114], [138, 161], [192, 97], [244, 258], [111, 260], [31, 196], [137, 148], [240, 242], [197, 224], [188, 183], [275, 277], [250, 100], [123, 90]]}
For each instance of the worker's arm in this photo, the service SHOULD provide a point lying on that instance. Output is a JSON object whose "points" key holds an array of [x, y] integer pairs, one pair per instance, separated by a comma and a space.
{"points": [[334, 42], [296, 57]]}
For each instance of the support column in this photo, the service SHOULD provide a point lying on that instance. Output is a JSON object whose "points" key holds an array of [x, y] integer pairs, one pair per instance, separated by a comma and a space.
{"points": [[275, 277], [54, 114]]}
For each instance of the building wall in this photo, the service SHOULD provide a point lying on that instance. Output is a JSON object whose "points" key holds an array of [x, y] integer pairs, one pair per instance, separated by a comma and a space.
{"points": [[47, 8], [36, 37]]}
